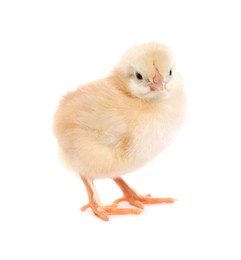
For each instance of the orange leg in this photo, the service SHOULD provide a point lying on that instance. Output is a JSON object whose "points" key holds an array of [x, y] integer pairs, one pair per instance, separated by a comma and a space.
{"points": [[135, 199], [96, 206]]}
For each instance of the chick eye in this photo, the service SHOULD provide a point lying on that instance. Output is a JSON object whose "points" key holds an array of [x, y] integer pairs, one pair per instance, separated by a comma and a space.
{"points": [[139, 76], [170, 73]]}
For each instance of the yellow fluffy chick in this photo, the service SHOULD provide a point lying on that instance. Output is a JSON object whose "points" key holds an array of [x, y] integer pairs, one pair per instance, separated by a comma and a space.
{"points": [[117, 124]]}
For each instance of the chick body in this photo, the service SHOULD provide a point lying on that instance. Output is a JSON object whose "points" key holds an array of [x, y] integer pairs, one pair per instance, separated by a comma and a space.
{"points": [[115, 125]]}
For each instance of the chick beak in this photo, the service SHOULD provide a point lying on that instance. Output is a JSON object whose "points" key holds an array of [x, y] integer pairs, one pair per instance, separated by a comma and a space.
{"points": [[157, 82]]}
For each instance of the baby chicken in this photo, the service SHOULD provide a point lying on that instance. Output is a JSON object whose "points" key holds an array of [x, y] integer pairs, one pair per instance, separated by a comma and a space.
{"points": [[116, 125]]}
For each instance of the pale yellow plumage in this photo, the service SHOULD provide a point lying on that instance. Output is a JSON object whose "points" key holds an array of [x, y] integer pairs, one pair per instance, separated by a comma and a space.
{"points": [[115, 125]]}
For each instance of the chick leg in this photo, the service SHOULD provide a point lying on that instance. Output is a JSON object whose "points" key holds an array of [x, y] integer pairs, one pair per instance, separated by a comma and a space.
{"points": [[98, 209], [135, 199]]}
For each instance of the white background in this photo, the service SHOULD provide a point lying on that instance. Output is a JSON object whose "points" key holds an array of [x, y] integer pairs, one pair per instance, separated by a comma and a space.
{"points": [[50, 47]]}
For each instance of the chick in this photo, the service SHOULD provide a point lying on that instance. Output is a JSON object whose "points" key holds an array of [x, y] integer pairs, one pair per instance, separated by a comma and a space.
{"points": [[117, 124]]}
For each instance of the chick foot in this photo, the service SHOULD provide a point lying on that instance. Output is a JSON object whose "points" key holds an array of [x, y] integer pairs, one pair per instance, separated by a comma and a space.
{"points": [[103, 211], [135, 199]]}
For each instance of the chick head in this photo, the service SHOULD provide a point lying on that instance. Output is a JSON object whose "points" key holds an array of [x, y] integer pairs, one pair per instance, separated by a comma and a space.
{"points": [[149, 71]]}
